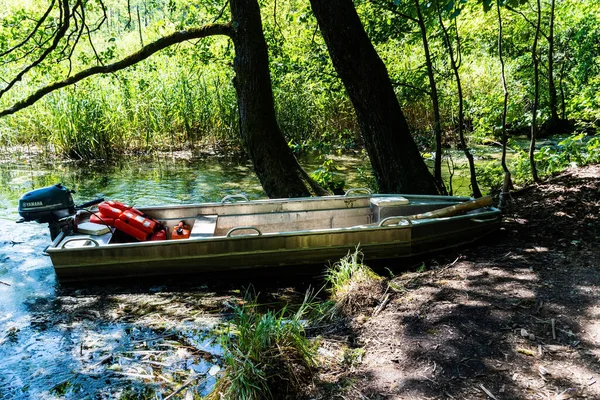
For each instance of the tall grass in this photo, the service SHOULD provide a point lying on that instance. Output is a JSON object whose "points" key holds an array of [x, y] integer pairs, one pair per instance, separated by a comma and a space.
{"points": [[267, 355], [159, 105]]}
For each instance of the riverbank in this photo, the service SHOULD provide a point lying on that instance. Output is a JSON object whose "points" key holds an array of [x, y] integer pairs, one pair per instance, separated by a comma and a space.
{"points": [[515, 317]]}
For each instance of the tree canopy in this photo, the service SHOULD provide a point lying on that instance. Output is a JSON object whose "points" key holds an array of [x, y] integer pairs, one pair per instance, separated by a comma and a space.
{"points": [[184, 96]]}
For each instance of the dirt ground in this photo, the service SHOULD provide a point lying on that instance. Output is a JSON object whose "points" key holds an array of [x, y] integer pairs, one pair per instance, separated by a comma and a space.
{"points": [[514, 317]]}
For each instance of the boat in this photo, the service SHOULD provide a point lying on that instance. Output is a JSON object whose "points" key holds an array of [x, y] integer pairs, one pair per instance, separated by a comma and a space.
{"points": [[237, 234]]}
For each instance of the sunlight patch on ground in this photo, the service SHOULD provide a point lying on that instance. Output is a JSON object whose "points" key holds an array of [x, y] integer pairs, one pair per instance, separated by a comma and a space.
{"points": [[536, 249]]}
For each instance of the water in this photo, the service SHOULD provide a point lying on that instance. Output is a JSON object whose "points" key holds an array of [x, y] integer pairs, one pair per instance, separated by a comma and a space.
{"points": [[106, 342]]}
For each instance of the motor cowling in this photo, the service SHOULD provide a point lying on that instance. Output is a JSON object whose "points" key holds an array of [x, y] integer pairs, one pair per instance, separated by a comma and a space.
{"points": [[48, 204]]}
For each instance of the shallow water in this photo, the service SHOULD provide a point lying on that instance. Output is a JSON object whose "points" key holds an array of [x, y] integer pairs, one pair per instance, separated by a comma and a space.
{"points": [[58, 342], [127, 339]]}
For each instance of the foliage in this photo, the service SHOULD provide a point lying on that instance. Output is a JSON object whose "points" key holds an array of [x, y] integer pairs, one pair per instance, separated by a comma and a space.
{"points": [[572, 151], [267, 354], [367, 179], [327, 176]]}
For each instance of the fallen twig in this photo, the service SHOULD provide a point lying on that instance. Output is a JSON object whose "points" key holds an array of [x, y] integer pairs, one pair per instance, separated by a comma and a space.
{"points": [[488, 392], [429, 379], [102, 361], [182, 387], [455, 261], [134, 375], [525, 351], [4, 283], [381, 306]]}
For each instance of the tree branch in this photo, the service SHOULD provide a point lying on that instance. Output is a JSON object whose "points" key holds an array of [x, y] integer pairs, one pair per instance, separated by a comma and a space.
{"points": [[530, 22], [394, 10], [142, 54], [65, 17], [408, 85], [35, 29]]}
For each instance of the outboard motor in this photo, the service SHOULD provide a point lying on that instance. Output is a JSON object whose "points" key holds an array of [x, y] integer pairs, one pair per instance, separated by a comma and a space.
{"points": [[53, 205]]}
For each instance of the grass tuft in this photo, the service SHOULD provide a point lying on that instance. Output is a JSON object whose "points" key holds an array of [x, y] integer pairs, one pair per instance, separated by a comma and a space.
{"points": [[268, 354], [353, 285]]}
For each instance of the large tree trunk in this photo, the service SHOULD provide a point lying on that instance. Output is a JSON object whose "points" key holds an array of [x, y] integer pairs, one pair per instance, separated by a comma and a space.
{"points": [[274, 164], [394, 156]]}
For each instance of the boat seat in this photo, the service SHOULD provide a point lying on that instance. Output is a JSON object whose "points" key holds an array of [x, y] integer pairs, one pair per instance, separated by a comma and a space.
{"points": [[389, 201], [204, 226], [384, 207], [78, 240]]}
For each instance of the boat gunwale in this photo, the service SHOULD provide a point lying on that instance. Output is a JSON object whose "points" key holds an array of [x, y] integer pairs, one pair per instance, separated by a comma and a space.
{"points": [[491, 211], [441, 198]]}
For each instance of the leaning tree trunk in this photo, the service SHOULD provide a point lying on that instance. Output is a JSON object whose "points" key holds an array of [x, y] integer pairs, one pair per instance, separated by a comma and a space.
{"points": [[274, 164], [394, 156]]}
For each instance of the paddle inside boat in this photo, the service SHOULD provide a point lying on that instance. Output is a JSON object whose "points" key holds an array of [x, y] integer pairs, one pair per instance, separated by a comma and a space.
{"points": [[236, 233]]}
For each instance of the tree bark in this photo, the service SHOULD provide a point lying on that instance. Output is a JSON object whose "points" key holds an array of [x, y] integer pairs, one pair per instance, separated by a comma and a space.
{"points": [[274, 164], [437, 124], [395, 158]]}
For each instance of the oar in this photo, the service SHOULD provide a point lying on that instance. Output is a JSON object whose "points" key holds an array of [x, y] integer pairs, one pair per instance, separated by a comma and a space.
{"points": [[455, 209], [444, 212]]}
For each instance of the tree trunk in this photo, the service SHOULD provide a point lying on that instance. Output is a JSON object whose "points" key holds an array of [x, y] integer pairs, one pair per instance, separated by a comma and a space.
{"points": [[551, 86], [437, 125], [561, 85], [536, 94], [461, 117], [274, 164], [394, 156], [507, 185]]}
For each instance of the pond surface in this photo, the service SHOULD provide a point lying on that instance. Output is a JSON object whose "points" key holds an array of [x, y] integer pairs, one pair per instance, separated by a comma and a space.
{"points": [[58, 342]]}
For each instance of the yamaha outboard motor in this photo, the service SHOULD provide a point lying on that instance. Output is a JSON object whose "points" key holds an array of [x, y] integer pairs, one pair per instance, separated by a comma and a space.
{"points": [[53, 205]]}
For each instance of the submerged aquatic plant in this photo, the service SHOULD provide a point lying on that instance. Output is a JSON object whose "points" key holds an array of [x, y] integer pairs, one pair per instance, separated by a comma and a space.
{"points": [[267, 354]]}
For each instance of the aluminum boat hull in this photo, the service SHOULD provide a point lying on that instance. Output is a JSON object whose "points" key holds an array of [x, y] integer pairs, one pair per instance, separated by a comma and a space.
{"points": [[271, 233]]}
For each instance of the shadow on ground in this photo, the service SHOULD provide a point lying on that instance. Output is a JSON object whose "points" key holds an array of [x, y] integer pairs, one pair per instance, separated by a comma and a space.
{"points": [[516, 317]]}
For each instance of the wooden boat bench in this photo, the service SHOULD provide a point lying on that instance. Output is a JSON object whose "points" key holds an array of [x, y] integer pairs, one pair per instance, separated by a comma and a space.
{"points": [[384, 207]]}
